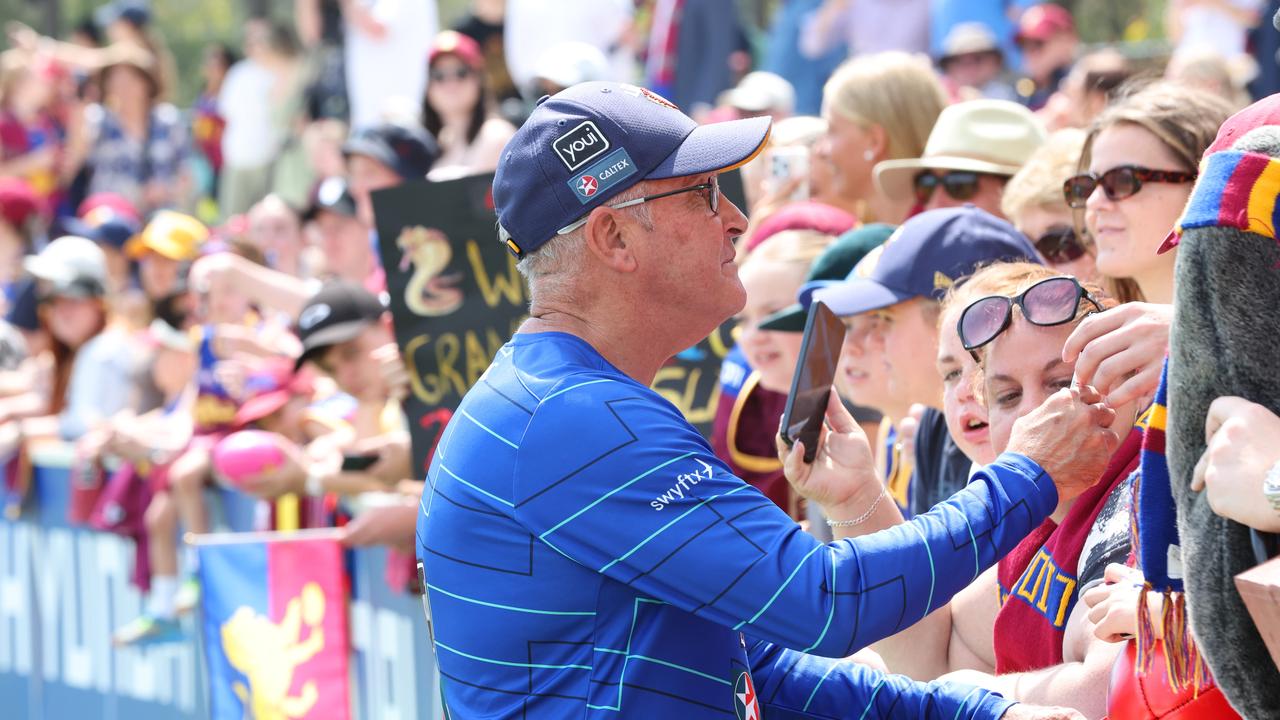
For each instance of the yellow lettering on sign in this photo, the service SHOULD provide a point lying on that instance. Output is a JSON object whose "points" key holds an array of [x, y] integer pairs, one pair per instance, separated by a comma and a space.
{"points": [[508, 287]]}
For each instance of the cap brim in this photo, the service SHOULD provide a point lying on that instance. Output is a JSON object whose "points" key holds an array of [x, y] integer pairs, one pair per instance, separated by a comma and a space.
{"points": [[894, 177], [718, 147], [788, 319], [42, 269], [859, 295], [256, 408], [364, 146], [316, 343]]}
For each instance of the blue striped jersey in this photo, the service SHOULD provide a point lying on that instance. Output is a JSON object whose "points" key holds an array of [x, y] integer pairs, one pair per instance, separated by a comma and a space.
{"points": [[587, 556]]}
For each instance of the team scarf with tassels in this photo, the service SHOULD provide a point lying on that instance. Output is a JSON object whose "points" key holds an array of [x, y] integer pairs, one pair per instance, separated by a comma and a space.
{"points": [[1159, 555]]}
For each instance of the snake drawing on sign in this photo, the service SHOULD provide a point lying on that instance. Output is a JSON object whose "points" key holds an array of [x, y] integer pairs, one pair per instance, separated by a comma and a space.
{"points": [[429, 292]]}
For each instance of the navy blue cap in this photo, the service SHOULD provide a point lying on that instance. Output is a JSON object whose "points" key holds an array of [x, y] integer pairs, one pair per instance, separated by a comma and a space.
{"points": [[104, 227], [926, 256], [590, 142], [22, 306]]}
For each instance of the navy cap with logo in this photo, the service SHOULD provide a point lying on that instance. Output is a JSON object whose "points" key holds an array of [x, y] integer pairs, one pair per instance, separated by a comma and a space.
{"points": [[338, 312], [926, 256], [591, 142], [407, 149]]}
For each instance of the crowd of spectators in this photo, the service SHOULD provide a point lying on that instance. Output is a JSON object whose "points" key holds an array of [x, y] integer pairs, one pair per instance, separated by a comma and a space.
{"points": [[173, 275]]}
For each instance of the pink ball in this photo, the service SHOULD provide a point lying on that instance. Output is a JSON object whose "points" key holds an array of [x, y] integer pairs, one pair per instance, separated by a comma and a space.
{"points": [[246, 454]]}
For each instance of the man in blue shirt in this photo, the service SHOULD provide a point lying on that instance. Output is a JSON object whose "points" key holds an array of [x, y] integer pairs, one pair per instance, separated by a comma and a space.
{"points": [[585, 553]]}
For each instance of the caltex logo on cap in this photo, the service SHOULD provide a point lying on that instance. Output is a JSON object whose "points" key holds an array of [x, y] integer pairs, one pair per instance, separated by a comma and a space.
{"points": [[587, 185]]}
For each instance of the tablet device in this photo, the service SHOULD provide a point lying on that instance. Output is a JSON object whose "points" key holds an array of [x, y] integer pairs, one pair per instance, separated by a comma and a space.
{"points": [[815, 372]]}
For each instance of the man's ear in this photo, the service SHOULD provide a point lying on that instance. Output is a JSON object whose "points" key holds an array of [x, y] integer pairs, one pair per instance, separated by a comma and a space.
{"points": [[607, 238]]}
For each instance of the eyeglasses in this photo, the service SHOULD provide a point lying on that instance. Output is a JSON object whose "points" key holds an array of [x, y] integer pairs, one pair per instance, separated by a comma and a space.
{"points": [[958, 184], [1119, 183], [1060, 244], [1050, 302], [461, 73], [713, 202]]}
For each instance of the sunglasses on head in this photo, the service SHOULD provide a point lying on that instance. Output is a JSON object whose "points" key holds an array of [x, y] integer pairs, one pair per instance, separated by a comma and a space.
{"points": [[958, 184], [1119, 183], [1060, 244], [1053, 301], [461, 73]]}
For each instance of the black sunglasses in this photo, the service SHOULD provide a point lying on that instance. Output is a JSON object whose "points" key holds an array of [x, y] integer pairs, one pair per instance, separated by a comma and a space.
{"points": [[1060, 244], [958, 184], [461, 73], [1053, 301], [1119, 183]]}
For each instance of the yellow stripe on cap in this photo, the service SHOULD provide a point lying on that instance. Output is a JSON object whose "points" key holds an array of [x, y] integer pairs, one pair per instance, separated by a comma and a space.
{"points": [[754, 153]]}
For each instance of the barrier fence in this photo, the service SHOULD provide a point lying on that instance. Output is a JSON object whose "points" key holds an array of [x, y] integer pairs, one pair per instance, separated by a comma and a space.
{"points": [[64, 589]]}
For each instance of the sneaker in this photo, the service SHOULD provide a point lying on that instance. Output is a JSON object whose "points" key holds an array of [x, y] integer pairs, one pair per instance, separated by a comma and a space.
{"points": [[188, 596], [148, 630]]}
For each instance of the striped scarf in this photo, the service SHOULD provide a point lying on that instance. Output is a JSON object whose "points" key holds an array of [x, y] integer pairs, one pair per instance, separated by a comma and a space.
{"points": [[1160, 557], [1237, 190]]}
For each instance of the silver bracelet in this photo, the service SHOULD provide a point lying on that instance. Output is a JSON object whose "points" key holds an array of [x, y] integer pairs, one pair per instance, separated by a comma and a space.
{"points": [[861, 518]]}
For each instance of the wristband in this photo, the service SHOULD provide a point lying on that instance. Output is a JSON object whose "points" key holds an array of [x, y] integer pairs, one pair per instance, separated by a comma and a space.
{"points": [[314, 486]]}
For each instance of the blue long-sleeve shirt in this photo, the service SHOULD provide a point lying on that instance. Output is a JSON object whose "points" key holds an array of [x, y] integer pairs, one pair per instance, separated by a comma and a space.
{"points": [[586, 555]]}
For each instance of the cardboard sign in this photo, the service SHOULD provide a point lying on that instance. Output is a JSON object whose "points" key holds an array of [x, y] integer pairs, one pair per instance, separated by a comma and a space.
{"points": [[456, 297], [1260, 590]]}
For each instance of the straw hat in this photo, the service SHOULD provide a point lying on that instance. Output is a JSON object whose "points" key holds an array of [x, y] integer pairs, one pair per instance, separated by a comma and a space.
{"points": [[995, 137]]}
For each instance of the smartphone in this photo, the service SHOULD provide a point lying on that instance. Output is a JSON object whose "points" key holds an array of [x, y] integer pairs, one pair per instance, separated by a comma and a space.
{"points": [[357, 463], [815, 372], [786, 163]]}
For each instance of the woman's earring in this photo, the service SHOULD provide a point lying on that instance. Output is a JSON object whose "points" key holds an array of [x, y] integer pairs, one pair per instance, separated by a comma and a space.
{"points": [[868, 155]]}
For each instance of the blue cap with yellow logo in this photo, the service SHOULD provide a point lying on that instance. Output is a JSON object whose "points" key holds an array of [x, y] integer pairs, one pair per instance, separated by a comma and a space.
{"points": [[590, 142], [926, 256]]}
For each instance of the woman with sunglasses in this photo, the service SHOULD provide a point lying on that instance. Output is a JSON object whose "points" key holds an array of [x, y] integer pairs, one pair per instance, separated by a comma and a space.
{"points": [[1018, 628], [1135, 174], [1033, 202], [456, 109]]}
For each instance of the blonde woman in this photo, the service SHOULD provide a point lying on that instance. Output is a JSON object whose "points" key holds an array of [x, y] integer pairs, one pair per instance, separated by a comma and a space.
{"points": [[1034, 203], [878, 107]]}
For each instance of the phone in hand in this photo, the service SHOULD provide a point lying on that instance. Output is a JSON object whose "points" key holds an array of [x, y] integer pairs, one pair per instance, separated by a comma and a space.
{"points": [[787, 163], [358, 463], [806, 407]]}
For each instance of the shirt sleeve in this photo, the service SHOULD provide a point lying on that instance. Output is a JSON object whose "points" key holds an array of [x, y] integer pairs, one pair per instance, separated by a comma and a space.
{"points": [[790, 684], [612, 477]]}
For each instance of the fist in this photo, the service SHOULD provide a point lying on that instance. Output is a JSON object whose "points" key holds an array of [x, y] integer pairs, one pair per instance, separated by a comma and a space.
{"points": [[1070, 436], [1240, 439]]}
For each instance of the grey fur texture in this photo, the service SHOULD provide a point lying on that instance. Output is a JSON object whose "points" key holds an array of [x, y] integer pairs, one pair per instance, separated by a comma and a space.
{"points": [[1226, 341]]}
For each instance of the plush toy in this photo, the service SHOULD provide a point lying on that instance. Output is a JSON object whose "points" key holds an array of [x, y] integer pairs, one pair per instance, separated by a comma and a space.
{"points": [[1226, 341]]}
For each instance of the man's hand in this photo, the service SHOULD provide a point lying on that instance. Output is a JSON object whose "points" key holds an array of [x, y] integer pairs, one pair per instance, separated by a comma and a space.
{"points": [[1121, 351], [1036, 712], [394, 374], [843, 472], [1070, 436], [1243, 443], [394, 453], [392, 525]]}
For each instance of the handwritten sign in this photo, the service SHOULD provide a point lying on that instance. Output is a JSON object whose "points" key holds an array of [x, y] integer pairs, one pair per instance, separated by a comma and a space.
{"points": [[456, 298]]}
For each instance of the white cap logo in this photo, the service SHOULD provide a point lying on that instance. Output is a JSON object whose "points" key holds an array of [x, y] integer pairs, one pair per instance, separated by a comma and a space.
{"points": [[313, 316]]}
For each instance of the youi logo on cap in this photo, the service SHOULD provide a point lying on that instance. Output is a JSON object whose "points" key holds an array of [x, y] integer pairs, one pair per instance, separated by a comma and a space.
{"points": [[580, 145]]}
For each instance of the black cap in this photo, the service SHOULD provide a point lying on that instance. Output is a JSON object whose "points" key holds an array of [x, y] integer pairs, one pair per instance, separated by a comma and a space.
{"points": [[332, 195], [407, 149], [339, 312]]}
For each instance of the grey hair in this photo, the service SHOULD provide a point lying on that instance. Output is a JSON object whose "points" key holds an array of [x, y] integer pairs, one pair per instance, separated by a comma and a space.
{"points": [[560, 256]]}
